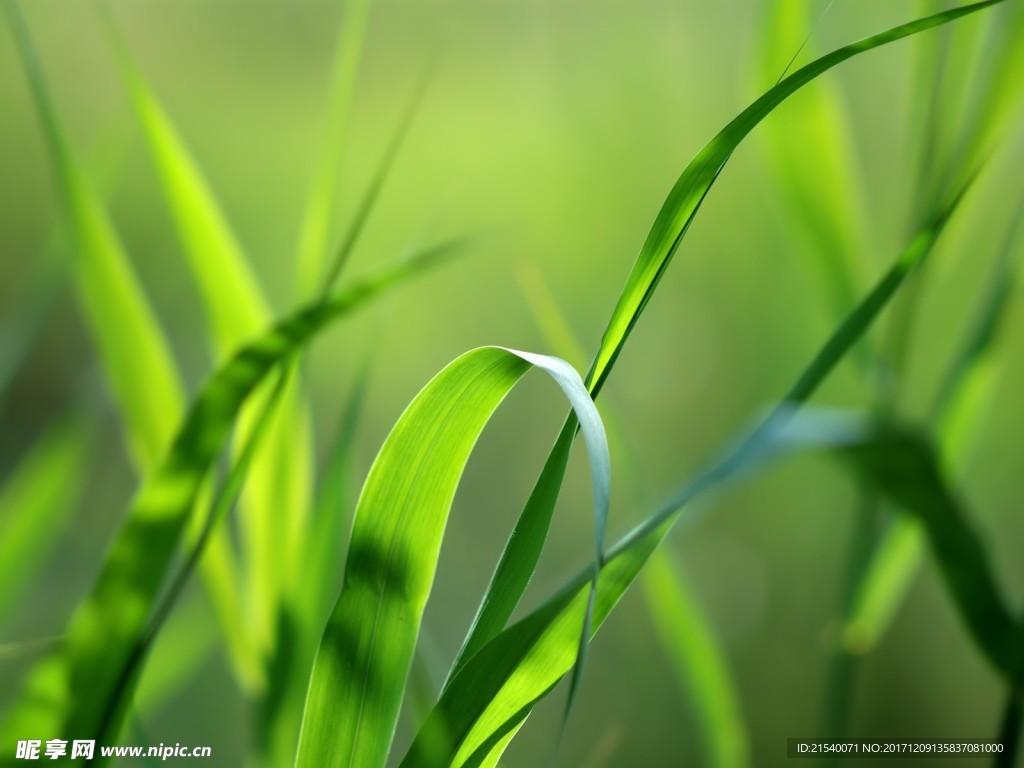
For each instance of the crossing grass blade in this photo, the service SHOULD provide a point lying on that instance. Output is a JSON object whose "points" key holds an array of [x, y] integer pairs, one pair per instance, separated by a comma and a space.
{"points": [[35, 499], [135, 355], [71, 689], [237, 311], [494, 690], [959, 414], [697, 661], [361, 667], [522, 552]]}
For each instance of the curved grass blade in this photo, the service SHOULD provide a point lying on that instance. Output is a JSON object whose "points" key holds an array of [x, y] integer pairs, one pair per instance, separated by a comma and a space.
{"points": [[699, 664], [136, 358], [494, 690], [361, 667], [72, 687], [315, 233], [34, 500], [959, 413], [522, 553]]}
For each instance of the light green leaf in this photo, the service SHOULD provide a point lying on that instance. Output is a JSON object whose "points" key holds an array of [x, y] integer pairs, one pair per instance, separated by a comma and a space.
{"points": [[136, 359], [698, 663], [814, 160], [237, 311], [360, 671], [72, 690]]}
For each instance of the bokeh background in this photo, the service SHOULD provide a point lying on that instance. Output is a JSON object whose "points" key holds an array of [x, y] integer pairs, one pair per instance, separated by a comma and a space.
{"points": [[551, 131]]}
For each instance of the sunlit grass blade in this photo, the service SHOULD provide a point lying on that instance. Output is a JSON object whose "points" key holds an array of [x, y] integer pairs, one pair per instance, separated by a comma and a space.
{"points": [[308, 602], [959, 413], [71, 688], [814, 160], [35, 499], [135, 355], [315, 233], [522, 553], [699, 665], [493, 690], [907, 470], [360, 671], [237, 311], [232, 297], [224, 501]]}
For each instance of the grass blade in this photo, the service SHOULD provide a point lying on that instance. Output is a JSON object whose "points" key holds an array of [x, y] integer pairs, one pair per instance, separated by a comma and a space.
{"points": [[814, 161], [135, 355], [494, 690], [361, 667], [70, 688], [907, 470], [699, 665], [959, 412], [237, 311], [34, 501], [522, 553], [315, 233]]}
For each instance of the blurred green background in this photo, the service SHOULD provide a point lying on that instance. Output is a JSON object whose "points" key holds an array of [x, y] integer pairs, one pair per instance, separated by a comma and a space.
{"points": [[551, 131]]}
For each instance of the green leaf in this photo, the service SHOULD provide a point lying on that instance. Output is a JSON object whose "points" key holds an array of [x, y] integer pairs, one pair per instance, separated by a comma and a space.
{"points": [[315, 234], [136, 359], [906, 469], [522, 553], [494, 689], [360, 671], [237, 311], [959, 412], [72, 690], [699, 665], [814, 161], [35, 499]]}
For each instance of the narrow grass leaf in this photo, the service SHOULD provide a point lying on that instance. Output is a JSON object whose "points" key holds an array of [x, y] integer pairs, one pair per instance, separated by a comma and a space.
{"points": [[906, 469], [71, 688], [522, 552], [493, 690], [136, 358], [35, 500], [360, 671], [237, 311], [315, 233], [814, 161], [959, 413], [699, 665]]}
